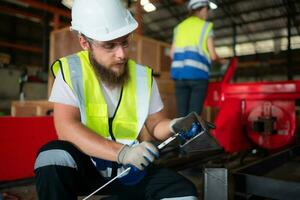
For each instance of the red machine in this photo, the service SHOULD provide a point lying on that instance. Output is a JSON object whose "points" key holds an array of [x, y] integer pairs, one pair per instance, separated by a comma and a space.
{"points": [[20, 140], [253, 114]]}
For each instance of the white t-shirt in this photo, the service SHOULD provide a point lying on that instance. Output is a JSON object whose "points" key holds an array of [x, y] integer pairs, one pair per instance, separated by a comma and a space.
{"points": [[62, 93]]}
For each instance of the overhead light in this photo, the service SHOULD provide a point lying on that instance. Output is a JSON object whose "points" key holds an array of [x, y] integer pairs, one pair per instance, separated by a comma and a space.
{"points": [[149, 7], [144, 2], [67, 3], [212, 5]]}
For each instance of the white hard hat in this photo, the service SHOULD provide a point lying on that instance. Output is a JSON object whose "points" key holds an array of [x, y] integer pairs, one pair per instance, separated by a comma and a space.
{"points": [[102, 20], [195, 4]]}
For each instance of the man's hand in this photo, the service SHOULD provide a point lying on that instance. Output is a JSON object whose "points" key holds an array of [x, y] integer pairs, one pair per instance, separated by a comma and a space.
{"points": [[183, 123], [140, 156], [173, 122]]}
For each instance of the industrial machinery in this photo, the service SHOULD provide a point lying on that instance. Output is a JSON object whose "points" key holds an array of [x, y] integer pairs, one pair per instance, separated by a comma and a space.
{"points": [[19, 146], [256, 114]]}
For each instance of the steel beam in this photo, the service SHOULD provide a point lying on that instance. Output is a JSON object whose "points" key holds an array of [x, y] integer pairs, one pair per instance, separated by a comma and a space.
{"points": [[21, 47]]}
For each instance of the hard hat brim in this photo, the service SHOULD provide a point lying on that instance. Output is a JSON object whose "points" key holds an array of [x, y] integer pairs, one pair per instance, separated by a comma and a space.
{"points": [[116, 34], [99, 36]]}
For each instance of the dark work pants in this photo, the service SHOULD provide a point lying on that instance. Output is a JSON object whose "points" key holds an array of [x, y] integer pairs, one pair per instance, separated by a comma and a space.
{"points": [[63, 172], [190, 96]]}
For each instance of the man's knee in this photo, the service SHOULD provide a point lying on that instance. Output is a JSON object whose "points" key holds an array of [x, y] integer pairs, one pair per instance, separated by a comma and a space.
{"points": [[185, 188], [188, 187], [55, 153]]}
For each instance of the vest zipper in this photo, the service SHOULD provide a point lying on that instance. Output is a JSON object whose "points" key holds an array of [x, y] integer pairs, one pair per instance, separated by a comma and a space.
{"points": [[114, 171]]}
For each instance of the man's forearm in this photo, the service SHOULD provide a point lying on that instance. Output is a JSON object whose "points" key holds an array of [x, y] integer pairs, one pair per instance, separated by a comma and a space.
{"points": [[89, 142], [69, 128], [162, 129]]}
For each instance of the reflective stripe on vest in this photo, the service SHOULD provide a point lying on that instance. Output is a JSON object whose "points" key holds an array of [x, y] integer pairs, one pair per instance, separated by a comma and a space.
{"points": [[133, 107], [191, 51]]}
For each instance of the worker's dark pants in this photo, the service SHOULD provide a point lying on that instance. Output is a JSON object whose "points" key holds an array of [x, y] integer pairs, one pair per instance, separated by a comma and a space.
{"points": [[190, 96], [64, 172]]}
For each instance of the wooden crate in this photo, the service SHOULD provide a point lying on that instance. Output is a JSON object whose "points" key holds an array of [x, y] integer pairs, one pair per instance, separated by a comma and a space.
{"points": [[63, 42], [165, 83], [31, 108]]}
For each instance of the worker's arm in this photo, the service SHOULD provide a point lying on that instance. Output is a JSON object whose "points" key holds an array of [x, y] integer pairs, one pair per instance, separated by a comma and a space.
{"points": [[211, 49], [172, 50], [69, 128], [173, 46], [158, 126]]}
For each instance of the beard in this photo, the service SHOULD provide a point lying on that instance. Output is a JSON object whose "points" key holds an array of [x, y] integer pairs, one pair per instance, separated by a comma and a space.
{"points": [[109, 76]]}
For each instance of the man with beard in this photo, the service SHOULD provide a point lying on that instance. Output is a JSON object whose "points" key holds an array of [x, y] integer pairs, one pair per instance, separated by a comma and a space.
{"points": [[102, 100]]}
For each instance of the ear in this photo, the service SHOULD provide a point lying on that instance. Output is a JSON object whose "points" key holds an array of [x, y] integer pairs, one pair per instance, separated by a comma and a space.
{"points": [[83, 43]]}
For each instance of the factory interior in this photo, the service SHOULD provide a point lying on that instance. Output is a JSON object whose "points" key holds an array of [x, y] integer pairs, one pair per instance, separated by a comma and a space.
{"points": [[250, 123]]}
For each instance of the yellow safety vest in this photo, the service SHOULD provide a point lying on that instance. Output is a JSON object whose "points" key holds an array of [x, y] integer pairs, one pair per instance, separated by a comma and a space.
{"points": [[191, 58], [133, 107]]}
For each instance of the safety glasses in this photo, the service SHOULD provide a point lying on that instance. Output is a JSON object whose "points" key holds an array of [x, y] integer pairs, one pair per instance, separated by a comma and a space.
{"points": [[110, 46]]}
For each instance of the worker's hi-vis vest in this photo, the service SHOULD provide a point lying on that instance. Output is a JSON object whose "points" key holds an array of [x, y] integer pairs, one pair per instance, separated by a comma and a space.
{"points": [[133, 105], [191, 57]]}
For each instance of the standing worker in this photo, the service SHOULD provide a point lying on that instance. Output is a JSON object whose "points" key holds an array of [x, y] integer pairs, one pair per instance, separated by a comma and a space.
{"points": [[192, 52], [102, 100]]}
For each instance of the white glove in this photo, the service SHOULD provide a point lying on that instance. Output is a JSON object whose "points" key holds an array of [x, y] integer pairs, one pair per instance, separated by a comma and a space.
{"points": [[172, 122], [140, 155], [183, 123]]}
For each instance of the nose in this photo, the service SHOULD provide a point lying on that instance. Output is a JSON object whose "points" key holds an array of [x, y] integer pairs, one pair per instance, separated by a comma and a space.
{"points": [[120, 52]]}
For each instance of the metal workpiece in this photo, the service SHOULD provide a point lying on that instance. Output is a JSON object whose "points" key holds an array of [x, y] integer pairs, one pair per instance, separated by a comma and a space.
{"points": [[215, 183], [275, 177]]}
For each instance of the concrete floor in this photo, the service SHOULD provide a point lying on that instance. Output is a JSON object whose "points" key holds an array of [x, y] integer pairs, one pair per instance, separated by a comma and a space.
{"points": [[27, 191], [21, 192]]}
